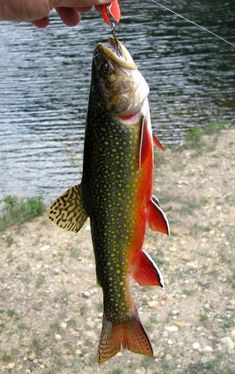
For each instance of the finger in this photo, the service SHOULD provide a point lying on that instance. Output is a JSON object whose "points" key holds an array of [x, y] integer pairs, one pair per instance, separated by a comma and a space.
{"points": [[78, 3], [84, 10], [69, 16], [41, 23]]}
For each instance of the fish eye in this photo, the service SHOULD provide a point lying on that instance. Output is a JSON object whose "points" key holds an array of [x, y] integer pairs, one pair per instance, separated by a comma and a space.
{"points": [[105, 68]]}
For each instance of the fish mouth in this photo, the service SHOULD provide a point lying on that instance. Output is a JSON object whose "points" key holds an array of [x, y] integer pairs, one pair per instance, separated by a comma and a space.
{"points": [[118, 54]]}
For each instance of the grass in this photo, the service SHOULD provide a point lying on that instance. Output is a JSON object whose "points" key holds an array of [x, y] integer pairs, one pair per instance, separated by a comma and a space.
{"points": [[17, 211], [226, 323], [204, 319], [214, 127], [13, 314], [194, 135], [37, 346]]}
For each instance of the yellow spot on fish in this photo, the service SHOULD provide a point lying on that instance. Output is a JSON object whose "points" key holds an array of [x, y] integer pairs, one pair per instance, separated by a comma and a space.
{"points": [[112, 77]]}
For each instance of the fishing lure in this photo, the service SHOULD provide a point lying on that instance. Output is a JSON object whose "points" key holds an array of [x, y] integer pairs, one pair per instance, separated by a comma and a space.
{"points": [[111, 11]]}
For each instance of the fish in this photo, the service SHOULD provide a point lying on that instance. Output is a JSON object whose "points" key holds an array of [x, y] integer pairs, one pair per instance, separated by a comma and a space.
{"points": [[116, 194]]}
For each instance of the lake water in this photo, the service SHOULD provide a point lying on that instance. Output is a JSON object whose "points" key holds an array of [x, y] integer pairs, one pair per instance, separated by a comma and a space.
{"points": [[45, 77]]}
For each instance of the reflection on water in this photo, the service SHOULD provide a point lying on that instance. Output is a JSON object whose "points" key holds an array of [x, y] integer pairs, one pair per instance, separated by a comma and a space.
{"points": [[45, 77]]}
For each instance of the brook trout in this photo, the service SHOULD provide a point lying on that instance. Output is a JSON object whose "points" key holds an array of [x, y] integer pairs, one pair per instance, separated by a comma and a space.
{"points": [[116, 194]]}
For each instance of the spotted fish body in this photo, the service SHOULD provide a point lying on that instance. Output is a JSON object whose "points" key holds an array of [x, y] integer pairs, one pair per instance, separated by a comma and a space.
{"points": [[116, 193]]}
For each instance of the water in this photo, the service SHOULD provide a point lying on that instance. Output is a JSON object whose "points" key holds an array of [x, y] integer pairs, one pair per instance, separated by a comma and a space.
{"points": [[45, 77]]}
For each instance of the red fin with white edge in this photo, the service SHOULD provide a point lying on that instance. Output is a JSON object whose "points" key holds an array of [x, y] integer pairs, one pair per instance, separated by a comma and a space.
{"points": [[129, 335], [158, 143], [157, 218], [113, 9], [145, 142], [145, 271]]}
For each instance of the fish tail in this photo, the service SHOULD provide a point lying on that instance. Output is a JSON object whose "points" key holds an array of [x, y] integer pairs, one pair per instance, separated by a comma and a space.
{"points": [[130, 335]]}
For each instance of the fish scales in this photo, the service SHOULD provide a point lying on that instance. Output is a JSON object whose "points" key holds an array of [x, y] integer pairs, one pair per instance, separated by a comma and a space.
{"points": [[116, 194], [111, 165]]}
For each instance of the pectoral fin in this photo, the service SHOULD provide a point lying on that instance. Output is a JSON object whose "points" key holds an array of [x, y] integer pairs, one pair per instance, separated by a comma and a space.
{"points": [[156, 217], [158, 143], [145, 142], [68, 211]]}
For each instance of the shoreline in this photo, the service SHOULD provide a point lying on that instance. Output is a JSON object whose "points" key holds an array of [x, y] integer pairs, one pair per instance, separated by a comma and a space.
{"points": [[51, 309]]}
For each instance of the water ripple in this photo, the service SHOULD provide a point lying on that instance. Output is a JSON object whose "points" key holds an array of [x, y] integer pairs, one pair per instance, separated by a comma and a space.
{"points": [[45, 78]]}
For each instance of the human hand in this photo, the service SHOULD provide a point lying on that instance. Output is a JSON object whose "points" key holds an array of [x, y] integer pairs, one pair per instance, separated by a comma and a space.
{"points": [[37, 11]]}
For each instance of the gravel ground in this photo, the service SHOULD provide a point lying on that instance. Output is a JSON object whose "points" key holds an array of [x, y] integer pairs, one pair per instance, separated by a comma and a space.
{"points": [[51, 308]]}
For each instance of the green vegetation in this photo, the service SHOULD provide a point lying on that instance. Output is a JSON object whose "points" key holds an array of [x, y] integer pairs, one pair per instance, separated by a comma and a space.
{"points": [[37, 346], [214, 127], [17, 211], [204, 318], [194, 135], [13, 314], [226, 322]]}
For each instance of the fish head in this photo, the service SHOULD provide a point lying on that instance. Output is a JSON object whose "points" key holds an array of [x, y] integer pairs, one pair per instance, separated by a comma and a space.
{"points": [[119, 85]]}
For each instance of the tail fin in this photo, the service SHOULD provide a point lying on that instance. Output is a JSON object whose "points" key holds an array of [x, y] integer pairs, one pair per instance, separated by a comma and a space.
{"points": [[129, 334]]}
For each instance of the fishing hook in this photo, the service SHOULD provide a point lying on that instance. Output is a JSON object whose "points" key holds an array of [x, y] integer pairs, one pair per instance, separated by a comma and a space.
{"points": [[112, 22], [113, 26]]}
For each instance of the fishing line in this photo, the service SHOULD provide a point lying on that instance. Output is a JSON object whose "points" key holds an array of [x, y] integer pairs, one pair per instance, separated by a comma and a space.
{"points": [[193, 23]]}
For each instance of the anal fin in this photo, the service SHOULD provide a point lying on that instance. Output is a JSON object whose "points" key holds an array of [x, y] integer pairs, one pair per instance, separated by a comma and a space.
{"points": [[145, 271], [68, 211], [157, 218]]}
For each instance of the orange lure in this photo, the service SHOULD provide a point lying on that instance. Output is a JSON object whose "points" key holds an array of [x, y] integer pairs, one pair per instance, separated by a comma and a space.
{"points": [[112, 10]]}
